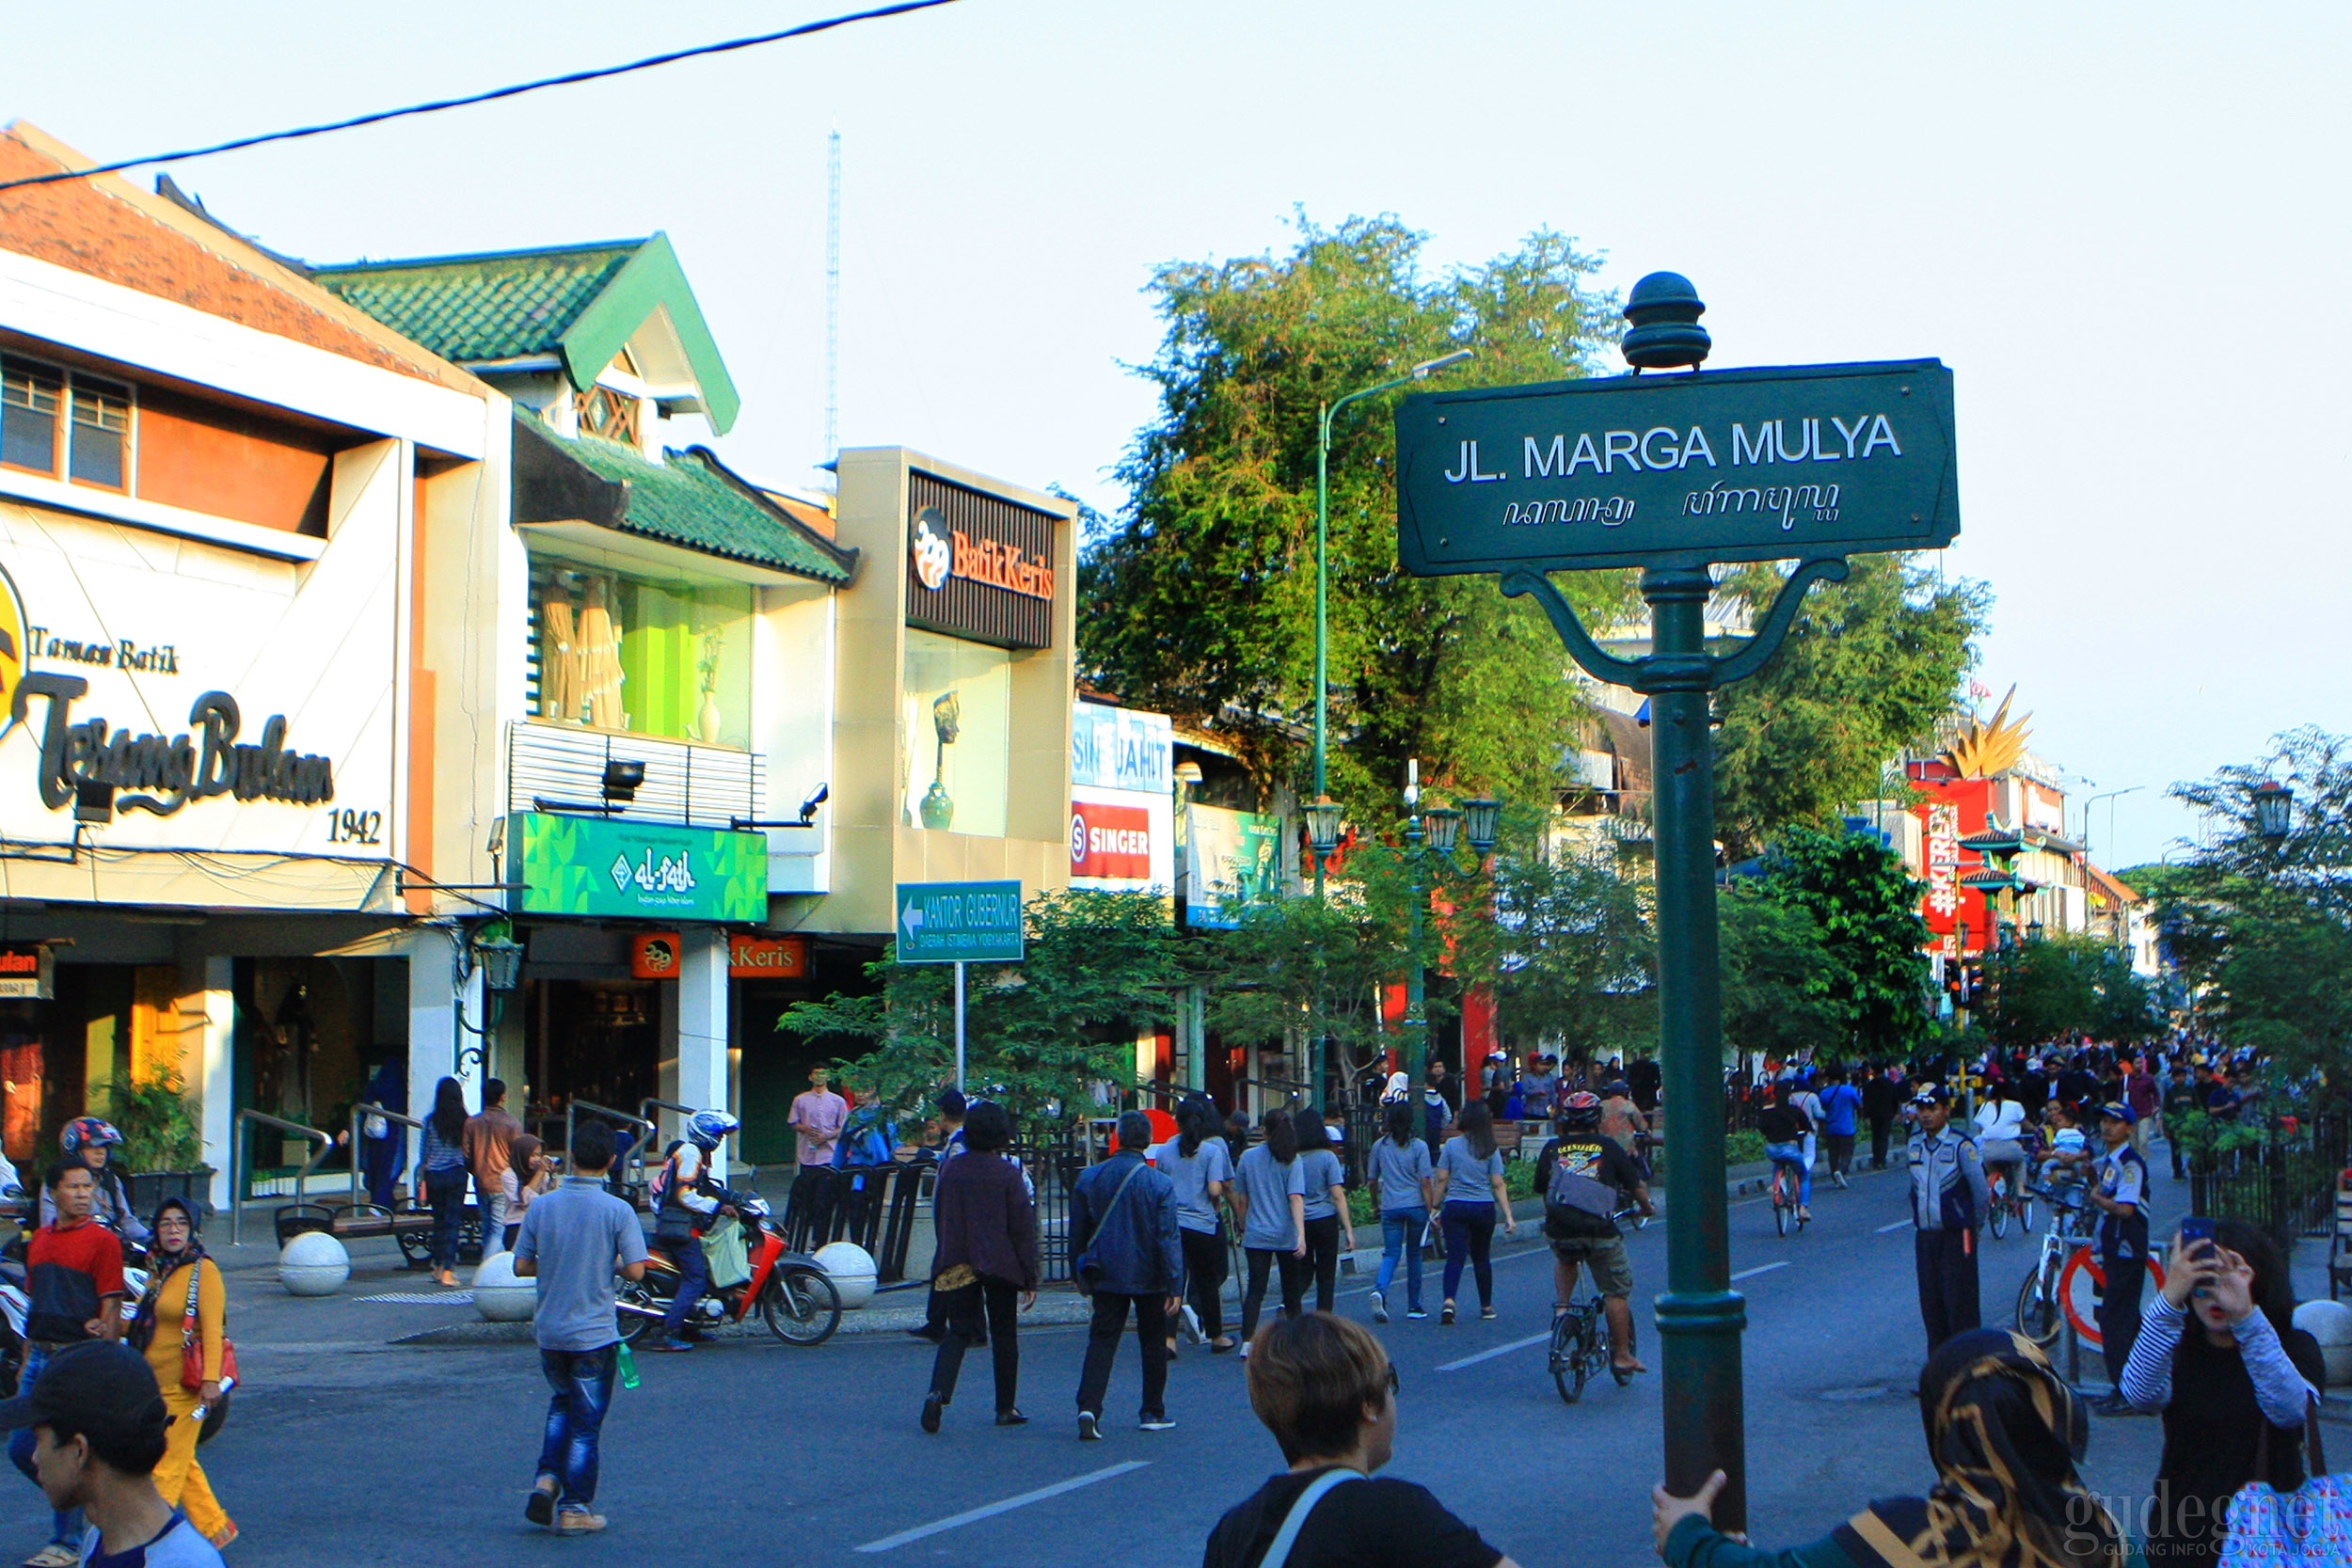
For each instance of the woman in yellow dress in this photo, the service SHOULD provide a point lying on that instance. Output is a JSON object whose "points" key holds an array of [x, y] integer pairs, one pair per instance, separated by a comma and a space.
{"points": [[160, 1330]]}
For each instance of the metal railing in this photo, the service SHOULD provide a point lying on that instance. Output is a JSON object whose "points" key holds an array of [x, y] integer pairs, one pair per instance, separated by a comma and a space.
{"points": [[644, 1129], [240, 1169], [2285, 1184], [359, 1114]]}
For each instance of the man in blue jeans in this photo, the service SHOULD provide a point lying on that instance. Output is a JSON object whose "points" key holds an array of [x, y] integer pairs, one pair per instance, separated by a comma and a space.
{"points": [[573, 1240]]}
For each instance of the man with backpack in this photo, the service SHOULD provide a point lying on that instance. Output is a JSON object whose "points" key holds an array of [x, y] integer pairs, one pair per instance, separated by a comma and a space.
{"points": [[1127, 1253], [686, 1201], [1584, 1176], [1437, 1109]]}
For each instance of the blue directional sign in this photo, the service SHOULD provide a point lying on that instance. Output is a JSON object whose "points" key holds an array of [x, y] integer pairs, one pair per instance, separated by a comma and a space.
{"points": [[959, 922]]}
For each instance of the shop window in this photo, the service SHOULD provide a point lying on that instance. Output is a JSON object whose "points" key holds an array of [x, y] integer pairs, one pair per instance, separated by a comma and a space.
{"points": [[611, 651], [92, 446], [958, 733]]}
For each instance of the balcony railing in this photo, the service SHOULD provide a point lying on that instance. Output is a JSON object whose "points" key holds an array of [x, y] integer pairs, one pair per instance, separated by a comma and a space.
{"points": [[703, 786]]}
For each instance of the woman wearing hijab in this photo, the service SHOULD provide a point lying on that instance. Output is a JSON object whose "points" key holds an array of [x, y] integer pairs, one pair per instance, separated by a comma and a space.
{"points": [[527, 1176], [164, 1330], [2005, 1435]]}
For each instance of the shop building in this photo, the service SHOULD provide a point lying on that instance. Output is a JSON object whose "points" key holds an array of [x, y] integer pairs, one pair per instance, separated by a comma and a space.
{"points": [[239, 688], [667, 637]]}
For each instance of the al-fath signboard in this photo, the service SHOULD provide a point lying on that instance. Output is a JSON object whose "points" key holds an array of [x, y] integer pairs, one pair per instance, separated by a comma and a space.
{"points": [[1807, 461], [615, 869]]}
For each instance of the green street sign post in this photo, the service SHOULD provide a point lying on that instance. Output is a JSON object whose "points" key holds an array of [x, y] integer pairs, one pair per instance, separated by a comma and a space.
{"points": [[1672, 474], [959, 922]]}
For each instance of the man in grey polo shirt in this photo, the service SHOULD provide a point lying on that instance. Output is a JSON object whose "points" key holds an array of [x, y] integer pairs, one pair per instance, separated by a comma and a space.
{"points": [[573, 1241]]}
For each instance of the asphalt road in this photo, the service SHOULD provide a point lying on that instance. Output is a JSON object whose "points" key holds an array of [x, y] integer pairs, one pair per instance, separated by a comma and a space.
{"points": [[346, 1450]]}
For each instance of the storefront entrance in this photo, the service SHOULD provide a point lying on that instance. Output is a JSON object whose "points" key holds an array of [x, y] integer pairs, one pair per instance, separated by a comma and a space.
{"points": [[594, 1040]]}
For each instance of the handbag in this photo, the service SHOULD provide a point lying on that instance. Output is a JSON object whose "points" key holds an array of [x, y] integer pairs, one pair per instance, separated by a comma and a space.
{"points": [[192, 1359], [1086, 1259], [2307, 1528]]}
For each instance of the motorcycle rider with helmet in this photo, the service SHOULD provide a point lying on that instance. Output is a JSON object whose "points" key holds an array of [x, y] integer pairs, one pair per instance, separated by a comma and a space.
{"points": [[87, 1141], [689, 1201]]}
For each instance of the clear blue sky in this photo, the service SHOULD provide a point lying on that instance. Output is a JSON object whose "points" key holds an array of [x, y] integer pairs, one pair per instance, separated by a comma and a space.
{"points": [[2123, 225]]}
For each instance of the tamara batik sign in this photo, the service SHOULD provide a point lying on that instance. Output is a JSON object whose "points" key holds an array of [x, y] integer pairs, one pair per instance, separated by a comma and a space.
{"points": [[1677, 469]]}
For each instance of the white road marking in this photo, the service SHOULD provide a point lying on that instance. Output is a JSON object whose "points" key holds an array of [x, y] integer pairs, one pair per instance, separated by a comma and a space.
{"points": [[1884, 1228], [1545, 1337], [975, 1516], [1761, 1268]]}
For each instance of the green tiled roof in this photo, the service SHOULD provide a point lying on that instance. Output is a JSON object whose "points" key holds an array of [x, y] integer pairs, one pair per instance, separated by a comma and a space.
{"points": [[580, 303], [694, 500], [472, 309]]}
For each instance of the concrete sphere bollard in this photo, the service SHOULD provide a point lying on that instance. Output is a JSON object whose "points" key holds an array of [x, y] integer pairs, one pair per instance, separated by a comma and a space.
{"points": [[500, 1296], [851, 1268], [313, 1264], [2330, 1323]]}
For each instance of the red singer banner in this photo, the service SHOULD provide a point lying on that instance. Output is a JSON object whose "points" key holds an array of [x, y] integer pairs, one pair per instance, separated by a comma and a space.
{"points": [[1109, 841]]}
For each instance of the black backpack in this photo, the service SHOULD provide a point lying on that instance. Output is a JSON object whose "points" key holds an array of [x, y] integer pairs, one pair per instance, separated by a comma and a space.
{"points": [[1577, 1206]]}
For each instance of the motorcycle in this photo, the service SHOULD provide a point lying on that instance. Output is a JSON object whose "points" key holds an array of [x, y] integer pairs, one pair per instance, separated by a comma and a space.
{"points": [[794, 1295]]}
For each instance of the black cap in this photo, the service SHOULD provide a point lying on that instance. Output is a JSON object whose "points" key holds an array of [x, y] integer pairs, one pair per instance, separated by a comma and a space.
{"points": [[105, 1389], [1933, 1094]]}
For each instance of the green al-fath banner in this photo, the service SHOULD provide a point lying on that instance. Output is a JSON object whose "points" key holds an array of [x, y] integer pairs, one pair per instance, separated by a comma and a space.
{"points": [[611, 866]]}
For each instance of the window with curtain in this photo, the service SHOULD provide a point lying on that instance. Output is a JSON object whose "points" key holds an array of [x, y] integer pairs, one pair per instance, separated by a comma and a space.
{"points": [[613, 651]]}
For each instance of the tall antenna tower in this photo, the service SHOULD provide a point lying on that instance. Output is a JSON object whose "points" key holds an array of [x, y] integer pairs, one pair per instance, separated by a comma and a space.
{"points": [[833, 294]]}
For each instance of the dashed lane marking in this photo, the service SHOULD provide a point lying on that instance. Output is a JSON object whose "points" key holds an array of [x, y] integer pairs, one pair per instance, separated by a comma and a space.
{"points": [[1884, 1228], [1761, 1268], [973, 1516], [1500, 1350]]}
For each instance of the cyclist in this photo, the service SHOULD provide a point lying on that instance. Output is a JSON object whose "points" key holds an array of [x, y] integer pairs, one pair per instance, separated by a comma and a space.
{"points": [[87, 1141], [2069, 1152], [2001, 1126], [1603, 1173], [1785, 1128]]}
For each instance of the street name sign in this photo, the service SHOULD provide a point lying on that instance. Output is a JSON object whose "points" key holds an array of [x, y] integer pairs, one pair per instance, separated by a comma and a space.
{"points": [[1806, 461], [959, 922]]}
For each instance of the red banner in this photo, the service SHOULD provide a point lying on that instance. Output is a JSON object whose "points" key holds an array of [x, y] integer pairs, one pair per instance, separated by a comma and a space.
{"points": [[1109, 841]]}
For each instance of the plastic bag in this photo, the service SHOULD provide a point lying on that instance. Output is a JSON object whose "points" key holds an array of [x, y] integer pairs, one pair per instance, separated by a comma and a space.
{"points": [[730, 1260]]}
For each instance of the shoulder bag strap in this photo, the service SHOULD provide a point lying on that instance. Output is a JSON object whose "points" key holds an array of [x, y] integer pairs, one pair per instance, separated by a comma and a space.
{"points": [[1118, 1193], [1278, 1553], [2314, 1456], [187, 1323]]}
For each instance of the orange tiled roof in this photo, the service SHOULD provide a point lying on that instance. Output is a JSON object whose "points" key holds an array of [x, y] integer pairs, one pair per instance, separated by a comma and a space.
{"points": [[107, 228]]}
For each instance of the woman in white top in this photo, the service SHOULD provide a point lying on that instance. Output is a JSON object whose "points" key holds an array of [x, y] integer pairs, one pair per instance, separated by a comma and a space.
{"points": [[2000, 1125]]}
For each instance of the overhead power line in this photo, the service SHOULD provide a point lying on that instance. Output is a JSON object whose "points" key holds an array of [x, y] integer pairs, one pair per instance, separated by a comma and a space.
{"points": [[491, 96]]}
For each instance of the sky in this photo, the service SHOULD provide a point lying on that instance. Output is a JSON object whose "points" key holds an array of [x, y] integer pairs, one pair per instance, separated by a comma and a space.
{"points": [[2118, 224]]}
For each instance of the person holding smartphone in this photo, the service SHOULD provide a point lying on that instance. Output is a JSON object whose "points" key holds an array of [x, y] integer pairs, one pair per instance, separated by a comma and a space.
{"points": [[2219, 1356]]}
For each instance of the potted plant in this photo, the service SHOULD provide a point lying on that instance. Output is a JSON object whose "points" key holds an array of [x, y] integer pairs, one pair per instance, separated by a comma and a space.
{"points": [[163, 1144]]}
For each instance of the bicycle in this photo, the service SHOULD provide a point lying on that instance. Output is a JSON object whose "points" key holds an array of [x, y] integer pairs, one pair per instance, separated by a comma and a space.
{"points": [[2007, 1202], [2041, 1311], [1787, 1184], [1580, 1343]]}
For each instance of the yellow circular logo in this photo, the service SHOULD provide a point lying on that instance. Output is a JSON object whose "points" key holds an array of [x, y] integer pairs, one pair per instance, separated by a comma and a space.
{"points": [[16, 648]]}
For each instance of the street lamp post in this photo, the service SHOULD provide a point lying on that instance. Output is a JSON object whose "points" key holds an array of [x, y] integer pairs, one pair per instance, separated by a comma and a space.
{"points": [[1323, 540], [1437, 829]]}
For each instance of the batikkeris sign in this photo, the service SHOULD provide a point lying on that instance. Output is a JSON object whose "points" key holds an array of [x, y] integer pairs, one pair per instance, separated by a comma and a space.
{"points": [[1677, 469]]}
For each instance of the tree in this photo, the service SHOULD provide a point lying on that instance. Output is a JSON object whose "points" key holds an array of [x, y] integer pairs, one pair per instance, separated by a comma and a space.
{"points": [[2063, 984], [1869, 666], [1783, 990], [2261, 931], [1862, 899], [1199, 599], [1576, 953], [1293, 969], [1039, 1035]]}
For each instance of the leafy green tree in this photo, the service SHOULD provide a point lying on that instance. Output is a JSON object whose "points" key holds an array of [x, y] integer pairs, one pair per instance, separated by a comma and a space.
{"points": [[1200, 599], [1293, 969], [1783, 990], [1575, 954], [1869, 666], [2063, 984], [1866, 905], [2261, 931], [1039, 1035]]}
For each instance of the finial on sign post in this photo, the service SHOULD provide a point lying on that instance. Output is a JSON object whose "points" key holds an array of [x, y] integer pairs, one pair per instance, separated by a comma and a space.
{"points": [[1664, 310]]}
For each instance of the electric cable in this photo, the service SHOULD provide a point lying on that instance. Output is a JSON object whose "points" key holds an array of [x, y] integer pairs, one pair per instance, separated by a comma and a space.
{"points": [[569, 79]]}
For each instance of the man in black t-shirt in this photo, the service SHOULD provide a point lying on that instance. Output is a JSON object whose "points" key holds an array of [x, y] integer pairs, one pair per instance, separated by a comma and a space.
{"points": [[1580, 1239], [1324, 1387]]}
